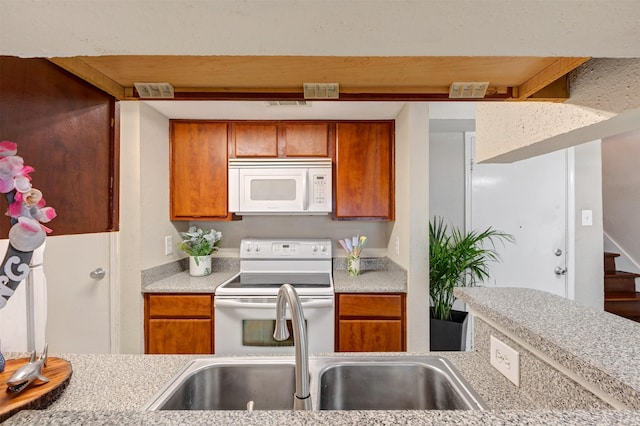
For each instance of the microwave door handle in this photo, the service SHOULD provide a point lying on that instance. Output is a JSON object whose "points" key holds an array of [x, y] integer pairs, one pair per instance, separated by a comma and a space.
{"points": [[307, 189]]}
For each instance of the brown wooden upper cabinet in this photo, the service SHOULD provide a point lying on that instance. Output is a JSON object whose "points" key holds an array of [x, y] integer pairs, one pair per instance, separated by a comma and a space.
{"points": [[198, 167], [304, 139], [280, 139], [255, 139], [364, 171]]}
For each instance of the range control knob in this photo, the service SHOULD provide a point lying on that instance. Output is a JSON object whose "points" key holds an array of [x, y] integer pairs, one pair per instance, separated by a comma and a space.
{"points": [[248, 247], [257, 248]]}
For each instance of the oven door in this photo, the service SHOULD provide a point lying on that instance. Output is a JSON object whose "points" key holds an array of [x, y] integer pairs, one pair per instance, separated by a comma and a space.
{"points": [[244, 325]]}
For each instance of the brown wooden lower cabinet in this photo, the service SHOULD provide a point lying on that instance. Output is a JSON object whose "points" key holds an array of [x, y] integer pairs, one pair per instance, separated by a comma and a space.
{"points": [[370, 322], [178, 324]]}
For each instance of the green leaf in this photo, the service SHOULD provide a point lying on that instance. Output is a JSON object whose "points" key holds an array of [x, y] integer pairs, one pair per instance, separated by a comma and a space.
{"points": [[458, 259]]}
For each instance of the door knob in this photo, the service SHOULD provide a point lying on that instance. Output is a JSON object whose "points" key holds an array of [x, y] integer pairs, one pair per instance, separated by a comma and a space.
{"points": [[97, 274], [560, 270], [557, 252]]}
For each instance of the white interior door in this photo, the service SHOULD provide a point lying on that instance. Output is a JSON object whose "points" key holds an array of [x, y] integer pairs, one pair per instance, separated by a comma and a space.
{"points": [[79, 308], [527, 199]]}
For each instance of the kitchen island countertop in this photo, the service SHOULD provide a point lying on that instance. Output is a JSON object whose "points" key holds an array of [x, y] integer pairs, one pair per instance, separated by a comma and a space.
{"points": [[111, 389], [108, 389]]}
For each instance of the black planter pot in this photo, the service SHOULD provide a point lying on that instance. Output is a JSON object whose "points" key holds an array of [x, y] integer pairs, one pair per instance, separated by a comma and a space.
{"points": [[448, 335]]}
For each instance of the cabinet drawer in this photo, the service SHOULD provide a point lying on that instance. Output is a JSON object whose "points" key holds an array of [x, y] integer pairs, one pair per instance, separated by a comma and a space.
{"points": [[370, 305], [182, 306]]}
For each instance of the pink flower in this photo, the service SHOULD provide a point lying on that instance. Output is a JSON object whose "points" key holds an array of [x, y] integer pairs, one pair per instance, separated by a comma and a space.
{"points": [[27, 234], [15, 209], [8, 148], [14, 174], [28, 206], [45, 215], [31, 204]]}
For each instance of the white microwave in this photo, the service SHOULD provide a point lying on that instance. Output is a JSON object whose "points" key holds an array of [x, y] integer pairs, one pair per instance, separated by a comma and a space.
{"points": [[280, 186]]}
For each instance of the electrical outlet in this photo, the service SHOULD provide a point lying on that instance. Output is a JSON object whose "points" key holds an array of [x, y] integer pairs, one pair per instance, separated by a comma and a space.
{"points": [[397, 246], [505, 359], [168, 245]]}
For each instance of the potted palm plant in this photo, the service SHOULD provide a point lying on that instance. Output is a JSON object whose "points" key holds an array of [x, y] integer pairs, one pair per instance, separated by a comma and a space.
{"points": [[456, 259], [199, 244]]}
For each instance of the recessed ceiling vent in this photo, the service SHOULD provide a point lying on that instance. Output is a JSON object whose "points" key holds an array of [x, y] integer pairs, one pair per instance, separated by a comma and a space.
{"points": [[154, 90], [469, 90], [321, 90], [288, 103]]}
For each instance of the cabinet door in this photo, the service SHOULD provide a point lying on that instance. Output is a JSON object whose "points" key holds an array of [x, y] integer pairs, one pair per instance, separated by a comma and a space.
{"points": [[370, 335], [180, 336], [255, 139], [368, 322], [364, 184], [198, 170], [304, 139]]}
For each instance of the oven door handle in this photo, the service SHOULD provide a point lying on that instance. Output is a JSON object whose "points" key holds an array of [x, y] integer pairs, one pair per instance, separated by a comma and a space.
{"points": [[234, 303]]}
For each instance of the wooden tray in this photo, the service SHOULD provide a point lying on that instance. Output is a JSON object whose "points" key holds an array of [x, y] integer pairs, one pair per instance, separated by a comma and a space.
{"points": [[35, 397]]}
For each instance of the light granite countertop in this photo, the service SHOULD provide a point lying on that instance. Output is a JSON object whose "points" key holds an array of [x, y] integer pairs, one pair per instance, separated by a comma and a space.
{"points": [[110, 389], [596, 347], [379, 275], [182, 282]]}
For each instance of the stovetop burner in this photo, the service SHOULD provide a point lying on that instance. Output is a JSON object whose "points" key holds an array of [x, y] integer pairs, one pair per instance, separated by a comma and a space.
{"points": [[266, 264], [275, 280]]}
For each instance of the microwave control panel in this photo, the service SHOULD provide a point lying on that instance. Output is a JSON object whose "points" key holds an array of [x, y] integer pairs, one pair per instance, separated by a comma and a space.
{"points": [[320, 190]]}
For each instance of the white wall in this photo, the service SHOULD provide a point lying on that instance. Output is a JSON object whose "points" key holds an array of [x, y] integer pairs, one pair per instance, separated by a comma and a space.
{"points": [[621, 195], [130, 317], [589, 268], [447, 177], [154, 197], [300, 227], [412, 218]]}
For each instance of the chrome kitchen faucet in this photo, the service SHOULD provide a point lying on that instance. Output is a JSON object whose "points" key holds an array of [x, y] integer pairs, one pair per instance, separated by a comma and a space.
{"points": [[302, 397]]}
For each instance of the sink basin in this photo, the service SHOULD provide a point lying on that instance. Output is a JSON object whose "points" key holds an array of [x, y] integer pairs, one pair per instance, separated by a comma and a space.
{"points": [[364, 382], [391, 386], [230, 386]]}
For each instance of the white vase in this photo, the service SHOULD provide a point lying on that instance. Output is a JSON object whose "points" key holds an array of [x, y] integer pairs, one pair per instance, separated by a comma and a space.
{"points": [[199, 266], [353, 265]]}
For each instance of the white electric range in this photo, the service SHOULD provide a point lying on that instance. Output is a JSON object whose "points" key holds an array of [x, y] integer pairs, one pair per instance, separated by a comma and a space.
{"points": [[245, 306]]}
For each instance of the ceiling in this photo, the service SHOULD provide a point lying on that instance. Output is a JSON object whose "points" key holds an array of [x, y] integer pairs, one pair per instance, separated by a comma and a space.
{"points": [[360, 78]]}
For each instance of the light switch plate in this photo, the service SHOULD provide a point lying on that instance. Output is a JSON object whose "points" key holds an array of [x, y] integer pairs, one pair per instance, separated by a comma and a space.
{"points": [[168, 245], [587, 217], [505, 359]]}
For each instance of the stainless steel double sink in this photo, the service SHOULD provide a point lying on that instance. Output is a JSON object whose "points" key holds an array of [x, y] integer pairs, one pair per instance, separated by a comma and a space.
{"points": [[337, 383]]}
